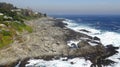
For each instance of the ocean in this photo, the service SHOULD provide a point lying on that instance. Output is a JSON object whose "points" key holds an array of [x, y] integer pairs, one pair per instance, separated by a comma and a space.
{"points": [[100, 22], [106, 27]]}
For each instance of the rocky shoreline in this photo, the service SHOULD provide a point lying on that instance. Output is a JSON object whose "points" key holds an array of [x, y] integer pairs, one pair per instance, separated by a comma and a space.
{"points": [[49, 40]]}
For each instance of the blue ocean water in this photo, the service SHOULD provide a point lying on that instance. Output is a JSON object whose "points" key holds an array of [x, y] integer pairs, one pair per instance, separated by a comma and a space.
{"points": [[101, 22]]}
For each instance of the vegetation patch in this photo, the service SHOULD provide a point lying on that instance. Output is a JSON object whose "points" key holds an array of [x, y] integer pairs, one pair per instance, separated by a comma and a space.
{"points": [[12, 22]]}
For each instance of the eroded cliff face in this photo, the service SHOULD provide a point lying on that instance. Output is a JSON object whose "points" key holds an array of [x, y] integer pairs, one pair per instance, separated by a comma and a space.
{"points": [[49, 39]]}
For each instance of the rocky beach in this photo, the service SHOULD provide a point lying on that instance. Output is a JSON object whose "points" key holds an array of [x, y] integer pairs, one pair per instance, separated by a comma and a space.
{"points": [[52, 39]]}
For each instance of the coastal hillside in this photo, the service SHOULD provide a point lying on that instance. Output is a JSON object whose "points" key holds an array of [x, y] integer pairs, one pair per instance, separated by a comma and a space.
{"points": [[26, 35], [51, 39]]}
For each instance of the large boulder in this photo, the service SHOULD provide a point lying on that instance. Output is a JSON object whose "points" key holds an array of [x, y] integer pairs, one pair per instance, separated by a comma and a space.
{"points": [[96, 38]]}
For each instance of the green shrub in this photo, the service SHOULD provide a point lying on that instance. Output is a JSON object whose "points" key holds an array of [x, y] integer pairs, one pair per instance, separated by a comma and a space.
{"points": [[17, 26], [5, 41], [5, 33], [1, 18], [29, 29], [20, 26]]}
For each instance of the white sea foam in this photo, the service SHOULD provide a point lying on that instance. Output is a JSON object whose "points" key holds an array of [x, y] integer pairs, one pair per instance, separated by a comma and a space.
{"points": [[92, 44], [69, 43], [106, 37], [76, 62], [110, 38]]}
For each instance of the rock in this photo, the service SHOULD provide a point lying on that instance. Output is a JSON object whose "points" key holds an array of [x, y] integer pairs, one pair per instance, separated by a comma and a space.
{"points": [[10, 64], [110, 51], [73, 35], [107, 62], [82, 44], [60, 24], [83, 30], [86, 50], [96, 38], [73, 45], [2, 25], [23, 62], [72, 63], [98, 43], [72, 53], [100, 57]]}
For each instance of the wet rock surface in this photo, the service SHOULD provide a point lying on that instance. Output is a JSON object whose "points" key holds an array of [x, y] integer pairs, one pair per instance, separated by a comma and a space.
{"points": [[83, 30]]}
